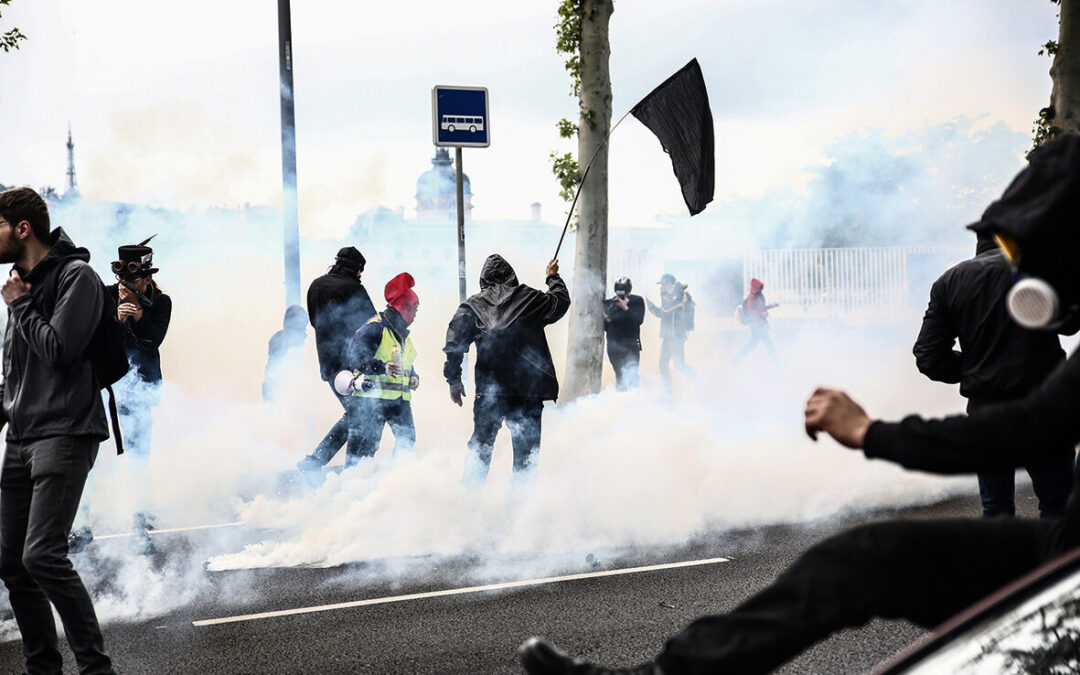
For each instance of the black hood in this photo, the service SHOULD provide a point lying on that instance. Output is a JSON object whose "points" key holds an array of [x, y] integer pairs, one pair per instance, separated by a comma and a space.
{"points": [[1038, 211], [497, 272], [62, 249]]}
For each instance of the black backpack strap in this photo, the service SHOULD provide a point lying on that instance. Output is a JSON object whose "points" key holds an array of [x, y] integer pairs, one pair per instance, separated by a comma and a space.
{"points": [[114, 417]]}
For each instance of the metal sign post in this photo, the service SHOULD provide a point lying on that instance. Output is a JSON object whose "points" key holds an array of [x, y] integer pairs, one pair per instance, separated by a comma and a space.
{"points": [[290, 213], [459, 118]]}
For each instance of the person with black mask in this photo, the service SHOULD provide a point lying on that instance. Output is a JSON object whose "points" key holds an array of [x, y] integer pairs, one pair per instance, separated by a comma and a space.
{"points": [[921, 571], [514, 371], [998, 360], [623, 315], [338, 305], [383, 378]]}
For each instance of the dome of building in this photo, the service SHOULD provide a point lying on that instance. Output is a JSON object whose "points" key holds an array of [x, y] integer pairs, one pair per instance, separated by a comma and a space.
{"points": [[436, 189]]}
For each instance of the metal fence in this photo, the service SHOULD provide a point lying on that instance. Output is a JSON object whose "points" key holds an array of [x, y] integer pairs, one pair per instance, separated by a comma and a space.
{"points": [[873, 284]]}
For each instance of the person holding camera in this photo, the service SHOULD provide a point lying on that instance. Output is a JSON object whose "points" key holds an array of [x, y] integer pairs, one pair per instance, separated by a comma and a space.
{"points": [[623, 315]]}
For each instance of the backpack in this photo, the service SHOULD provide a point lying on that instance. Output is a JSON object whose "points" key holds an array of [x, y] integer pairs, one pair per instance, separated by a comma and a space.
{"points": [[740, 313], [106, 353], [688, 311]]}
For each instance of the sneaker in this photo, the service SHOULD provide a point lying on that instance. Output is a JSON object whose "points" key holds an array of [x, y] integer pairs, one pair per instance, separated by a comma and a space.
{"points": [[79, 539], [540, 657]]}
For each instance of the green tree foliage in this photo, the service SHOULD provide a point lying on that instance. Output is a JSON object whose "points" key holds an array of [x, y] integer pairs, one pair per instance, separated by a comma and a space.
{"points": [[568, 43], [1043, 129], [10, 39]]}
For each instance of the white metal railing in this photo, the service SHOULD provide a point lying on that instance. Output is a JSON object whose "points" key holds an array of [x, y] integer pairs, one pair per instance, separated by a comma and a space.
{"points": [[831, 283]]}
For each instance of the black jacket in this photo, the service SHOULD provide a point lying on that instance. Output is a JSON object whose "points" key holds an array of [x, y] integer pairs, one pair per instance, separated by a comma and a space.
{"points": [[143, 338], [338, 305], [623, 326], [506, 320], [998, 359], [49, 386], [1022, 432]]}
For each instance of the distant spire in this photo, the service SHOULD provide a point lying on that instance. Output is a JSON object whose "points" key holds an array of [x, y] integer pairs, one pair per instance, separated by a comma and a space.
{"points": [[72, 187]]}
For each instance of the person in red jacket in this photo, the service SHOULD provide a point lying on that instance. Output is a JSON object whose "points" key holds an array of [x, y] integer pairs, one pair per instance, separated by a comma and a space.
{"points": [[755, 313]]}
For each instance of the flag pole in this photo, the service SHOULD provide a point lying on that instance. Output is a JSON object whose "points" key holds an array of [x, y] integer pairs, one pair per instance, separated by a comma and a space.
{"points": [[584, 175]]}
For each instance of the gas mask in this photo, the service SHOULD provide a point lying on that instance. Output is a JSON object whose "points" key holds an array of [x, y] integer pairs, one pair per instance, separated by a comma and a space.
{"points": [[1033, 302]]}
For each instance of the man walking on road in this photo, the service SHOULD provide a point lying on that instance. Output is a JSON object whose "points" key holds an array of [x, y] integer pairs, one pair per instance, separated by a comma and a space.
{"points": [[514, 372], [56, 420], [998, 361], [338, 305], [676, 312]]}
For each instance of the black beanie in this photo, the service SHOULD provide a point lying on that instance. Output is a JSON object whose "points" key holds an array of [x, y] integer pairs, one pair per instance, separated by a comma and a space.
{"points": [[350, 258]]}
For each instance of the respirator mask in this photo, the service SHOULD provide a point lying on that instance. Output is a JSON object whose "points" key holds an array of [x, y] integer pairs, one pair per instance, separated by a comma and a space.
{"points": [[1033, 302]]}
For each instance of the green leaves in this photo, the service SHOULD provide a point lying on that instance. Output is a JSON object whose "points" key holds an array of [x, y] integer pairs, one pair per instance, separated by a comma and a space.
{"points": [[568, 41], [10, 39], [565, 168]]}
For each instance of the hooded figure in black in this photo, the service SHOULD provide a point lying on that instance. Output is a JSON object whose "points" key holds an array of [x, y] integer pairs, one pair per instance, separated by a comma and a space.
{"points": [[623, 316], [338, 305], [920, 571], [998, 360], [514, 372]]}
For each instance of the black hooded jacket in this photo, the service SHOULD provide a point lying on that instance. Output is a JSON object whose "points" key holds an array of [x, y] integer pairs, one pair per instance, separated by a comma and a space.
{"points": [[506, 320], [338, 305], [49, 385], [997, 359]]}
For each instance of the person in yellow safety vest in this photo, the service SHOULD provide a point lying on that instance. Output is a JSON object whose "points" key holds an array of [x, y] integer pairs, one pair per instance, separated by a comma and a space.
{"points": [[383, 377]]}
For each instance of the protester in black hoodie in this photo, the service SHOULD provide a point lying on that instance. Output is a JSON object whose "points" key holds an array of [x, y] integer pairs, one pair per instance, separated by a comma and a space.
{"points": [[998, 360], [56, 420], [338, 304], [514, 372], [623, 316]]}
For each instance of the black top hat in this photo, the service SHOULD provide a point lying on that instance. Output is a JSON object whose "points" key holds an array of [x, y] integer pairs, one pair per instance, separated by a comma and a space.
{"points": [[134, 261]]}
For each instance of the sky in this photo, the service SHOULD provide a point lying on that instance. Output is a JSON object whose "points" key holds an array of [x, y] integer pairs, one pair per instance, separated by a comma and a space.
{"points": [[176, 104]]}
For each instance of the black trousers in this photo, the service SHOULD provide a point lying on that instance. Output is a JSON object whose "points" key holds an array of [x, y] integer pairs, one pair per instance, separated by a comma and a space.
{"points": [[1052, 482], [367, 416], [40, 488], [923, 572], [625, 359], [522, 416]]}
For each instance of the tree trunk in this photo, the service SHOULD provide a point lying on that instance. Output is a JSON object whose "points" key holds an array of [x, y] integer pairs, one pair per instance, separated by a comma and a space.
{"points": [[585, 346], [1065, 96]]}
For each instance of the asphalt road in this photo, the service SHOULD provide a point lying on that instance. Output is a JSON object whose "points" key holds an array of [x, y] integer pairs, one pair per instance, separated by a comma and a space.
{"points": [[615, 620]]}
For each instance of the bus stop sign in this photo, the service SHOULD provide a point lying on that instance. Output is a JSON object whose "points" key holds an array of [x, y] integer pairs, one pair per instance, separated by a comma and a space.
{"points": [[459, 117]]}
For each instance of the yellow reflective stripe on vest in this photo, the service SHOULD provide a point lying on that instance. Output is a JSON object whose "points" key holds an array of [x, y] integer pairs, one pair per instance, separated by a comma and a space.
{"points": [[385, 386]]}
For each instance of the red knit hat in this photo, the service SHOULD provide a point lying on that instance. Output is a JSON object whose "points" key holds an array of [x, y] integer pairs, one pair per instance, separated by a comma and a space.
{"points": [[400, 295]]}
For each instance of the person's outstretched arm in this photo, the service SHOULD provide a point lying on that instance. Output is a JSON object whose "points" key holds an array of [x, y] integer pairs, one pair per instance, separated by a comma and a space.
{"points": [[1007, 435]]}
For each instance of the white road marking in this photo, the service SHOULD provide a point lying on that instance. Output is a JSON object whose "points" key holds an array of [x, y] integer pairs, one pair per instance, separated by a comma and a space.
{"points": [[167, 530], [456, 591]]}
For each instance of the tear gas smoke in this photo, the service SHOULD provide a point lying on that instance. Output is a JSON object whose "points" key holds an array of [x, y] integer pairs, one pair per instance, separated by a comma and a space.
{"points": [[616, 470]]}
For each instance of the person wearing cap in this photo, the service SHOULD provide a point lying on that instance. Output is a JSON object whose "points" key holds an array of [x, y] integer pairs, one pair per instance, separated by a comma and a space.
{"points": [[998, 360], [338, 304], [754, 311], [383, 377], [514, 372], [676, 313], [920, 571], [623, 315]]}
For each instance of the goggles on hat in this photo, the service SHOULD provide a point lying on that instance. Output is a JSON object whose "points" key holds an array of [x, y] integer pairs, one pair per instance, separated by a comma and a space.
{"points": [[130, 267]]}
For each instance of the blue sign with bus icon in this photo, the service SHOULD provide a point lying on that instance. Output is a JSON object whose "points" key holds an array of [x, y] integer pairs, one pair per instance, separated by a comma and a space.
{"points": [[460, 117]]}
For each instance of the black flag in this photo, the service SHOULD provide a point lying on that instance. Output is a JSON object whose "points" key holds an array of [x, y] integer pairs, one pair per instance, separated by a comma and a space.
{"points": [[678, 113]]}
